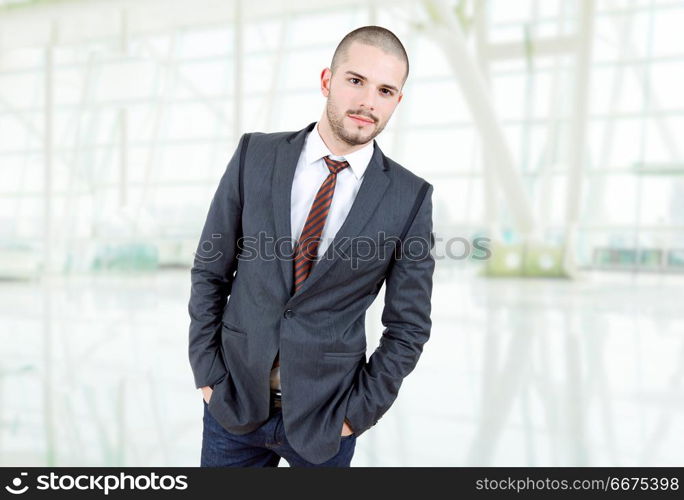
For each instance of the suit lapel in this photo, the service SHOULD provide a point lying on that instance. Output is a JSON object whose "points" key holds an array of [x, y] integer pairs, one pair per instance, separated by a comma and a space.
{"points": [[286, 159], [373, 186]]}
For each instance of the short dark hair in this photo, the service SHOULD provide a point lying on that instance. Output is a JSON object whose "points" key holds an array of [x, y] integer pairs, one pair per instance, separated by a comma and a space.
{"points": [[375, 36]]}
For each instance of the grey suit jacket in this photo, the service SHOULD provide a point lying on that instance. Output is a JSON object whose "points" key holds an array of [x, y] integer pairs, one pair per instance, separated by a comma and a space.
{"points": [[242, 310]]}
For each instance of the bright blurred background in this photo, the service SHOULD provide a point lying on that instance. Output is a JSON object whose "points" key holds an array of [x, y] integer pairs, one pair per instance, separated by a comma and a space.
{"points": [[553, 128]]}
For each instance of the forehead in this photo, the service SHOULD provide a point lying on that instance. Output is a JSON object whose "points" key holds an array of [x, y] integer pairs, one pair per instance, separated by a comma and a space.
{"points": [[373, 63]]}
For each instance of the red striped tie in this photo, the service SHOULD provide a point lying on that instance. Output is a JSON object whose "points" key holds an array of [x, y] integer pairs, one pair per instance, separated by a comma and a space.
{"points": [[306, 249]]}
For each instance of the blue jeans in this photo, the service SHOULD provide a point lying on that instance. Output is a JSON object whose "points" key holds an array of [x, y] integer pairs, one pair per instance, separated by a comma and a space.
{"points": [[263, 447]]}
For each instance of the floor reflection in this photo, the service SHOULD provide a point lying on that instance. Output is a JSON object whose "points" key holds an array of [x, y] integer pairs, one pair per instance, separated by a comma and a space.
{"points": [[94, 372]]}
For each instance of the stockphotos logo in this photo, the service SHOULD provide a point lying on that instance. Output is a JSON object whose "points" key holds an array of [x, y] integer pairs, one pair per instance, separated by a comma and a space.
{"points": [[15, 488], [104, 483]]}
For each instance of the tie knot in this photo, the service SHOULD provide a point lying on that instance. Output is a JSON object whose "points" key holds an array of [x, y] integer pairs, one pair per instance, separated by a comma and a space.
{"points": [[335, 165]]}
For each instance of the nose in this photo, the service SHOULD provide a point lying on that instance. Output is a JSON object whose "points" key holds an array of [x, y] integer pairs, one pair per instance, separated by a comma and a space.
{"points": [[368, 99]]}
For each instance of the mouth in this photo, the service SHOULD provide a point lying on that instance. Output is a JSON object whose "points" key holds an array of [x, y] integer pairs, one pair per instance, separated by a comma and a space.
{"points": [[361, 120]]}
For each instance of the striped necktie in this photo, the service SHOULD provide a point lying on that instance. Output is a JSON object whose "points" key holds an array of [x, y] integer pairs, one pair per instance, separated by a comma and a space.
{"points": [[306, 249]]}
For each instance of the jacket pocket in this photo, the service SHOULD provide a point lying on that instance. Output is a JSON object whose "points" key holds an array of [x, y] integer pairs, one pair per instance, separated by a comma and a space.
{"points": [[355, 354], [233, 330]]}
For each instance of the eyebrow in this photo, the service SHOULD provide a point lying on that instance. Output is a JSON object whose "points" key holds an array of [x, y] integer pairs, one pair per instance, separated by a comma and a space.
{"points": [[361, 77]]}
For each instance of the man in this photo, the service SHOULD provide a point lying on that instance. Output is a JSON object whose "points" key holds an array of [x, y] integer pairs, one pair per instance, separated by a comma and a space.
{"points": [[295, 248]]}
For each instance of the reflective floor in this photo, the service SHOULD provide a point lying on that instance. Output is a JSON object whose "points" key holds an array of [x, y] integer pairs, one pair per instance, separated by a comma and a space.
{"points": [[94, 371]]}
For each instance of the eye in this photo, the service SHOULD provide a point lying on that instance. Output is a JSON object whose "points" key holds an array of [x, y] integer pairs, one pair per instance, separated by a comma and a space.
{"points": [[387, 91], [354, 79]]}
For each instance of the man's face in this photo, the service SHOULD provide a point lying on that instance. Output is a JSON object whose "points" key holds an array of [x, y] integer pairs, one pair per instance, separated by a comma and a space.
{"points": [[363, 93]]}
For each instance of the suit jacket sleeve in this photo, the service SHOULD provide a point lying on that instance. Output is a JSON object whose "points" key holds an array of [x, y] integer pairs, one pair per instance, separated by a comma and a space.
{"points": [[406, 317], [212, 276]]}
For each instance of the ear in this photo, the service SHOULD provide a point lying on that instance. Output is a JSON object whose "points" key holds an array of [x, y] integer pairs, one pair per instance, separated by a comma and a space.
{"points": [[326, 75], [399, 98]]}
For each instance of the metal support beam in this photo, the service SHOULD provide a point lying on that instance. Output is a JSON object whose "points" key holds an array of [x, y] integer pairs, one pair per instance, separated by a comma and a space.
{"points": [[577, 153], [48, 256], [446, 31], [237, 60], [489, 185]]}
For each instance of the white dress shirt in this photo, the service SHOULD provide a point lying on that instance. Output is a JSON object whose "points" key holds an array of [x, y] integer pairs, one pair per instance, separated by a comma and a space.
{"points": [[310, 173]]}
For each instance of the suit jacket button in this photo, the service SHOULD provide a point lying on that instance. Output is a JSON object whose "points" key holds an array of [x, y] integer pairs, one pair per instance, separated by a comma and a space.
{"points": [[289, 313]]}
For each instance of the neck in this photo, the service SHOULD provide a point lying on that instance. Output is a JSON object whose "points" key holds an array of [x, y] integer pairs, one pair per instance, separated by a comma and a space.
{"points": [[335, 145]]}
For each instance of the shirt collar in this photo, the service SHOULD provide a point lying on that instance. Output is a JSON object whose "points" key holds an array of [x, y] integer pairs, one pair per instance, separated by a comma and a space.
{"points": [[315, 149]]}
